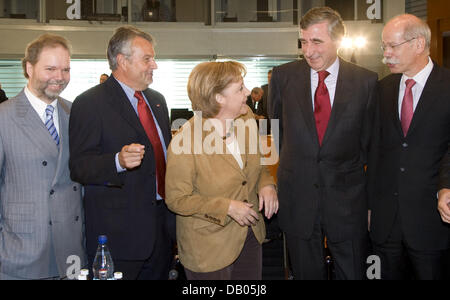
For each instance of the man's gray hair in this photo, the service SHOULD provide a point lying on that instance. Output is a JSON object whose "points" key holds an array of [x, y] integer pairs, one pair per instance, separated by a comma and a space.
{"points": [[316, 15], [121, 41], [417, 29]]}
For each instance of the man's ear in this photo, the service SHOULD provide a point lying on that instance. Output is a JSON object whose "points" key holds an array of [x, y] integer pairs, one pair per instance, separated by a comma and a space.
{"points": [[420, 44], [29, 68], [121, 61]]}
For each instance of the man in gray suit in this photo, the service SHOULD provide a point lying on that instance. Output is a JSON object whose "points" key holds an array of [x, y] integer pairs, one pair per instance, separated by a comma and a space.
{"points": [[41, 213]]}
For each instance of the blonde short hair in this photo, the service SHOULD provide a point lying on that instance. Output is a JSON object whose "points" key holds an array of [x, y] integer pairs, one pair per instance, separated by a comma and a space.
{"points": [[209, 79]]}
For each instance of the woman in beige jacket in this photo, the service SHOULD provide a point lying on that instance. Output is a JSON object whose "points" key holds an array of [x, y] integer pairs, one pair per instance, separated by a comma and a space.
{"points": [[215, 181]]}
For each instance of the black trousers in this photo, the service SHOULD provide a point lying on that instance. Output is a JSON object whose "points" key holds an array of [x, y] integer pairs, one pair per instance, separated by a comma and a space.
{"points": [[157, 265], [308, 256], [399, 261]]}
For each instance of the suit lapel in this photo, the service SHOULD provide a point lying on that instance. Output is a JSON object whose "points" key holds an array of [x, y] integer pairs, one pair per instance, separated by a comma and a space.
{"points": [[429, 94], [158, 111], [120, 102], [341, 98], [392, 96], [303, 90], [63, 117], [33, 127], [225, 154]]}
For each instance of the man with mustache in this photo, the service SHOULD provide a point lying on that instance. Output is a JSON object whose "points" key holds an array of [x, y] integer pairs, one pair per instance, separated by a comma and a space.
{"points": [[119, 133], [41, 213], [411, 157], [326, 107]]}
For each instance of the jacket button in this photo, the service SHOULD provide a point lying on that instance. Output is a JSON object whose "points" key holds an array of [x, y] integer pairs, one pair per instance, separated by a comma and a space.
{"points": [[316, 185], [52, 192], [75, 188], [244, 182], [405, 145], [245, 201], [402, 170], [44, 163], [50, 223], [396, 194], [77, 218]]}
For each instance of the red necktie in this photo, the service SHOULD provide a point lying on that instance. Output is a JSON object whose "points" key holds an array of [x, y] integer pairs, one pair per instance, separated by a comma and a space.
{"points": [[322, 106], [147, 121], [407, 111]]}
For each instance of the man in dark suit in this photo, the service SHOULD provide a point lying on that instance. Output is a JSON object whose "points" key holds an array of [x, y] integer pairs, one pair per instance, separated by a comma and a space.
{"points": [[262, 107], [119, 133], [324, 134], [412, 141], [254, 100]]}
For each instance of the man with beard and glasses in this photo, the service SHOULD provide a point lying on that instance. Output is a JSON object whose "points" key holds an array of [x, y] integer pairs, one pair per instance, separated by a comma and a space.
{"points": [[411, 157], [41, 214]]}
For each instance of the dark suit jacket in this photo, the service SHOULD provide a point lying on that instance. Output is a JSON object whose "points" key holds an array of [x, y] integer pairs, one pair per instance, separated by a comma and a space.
{"points": [[262, 108], [330, 180], [410, 171], [120, 205]]}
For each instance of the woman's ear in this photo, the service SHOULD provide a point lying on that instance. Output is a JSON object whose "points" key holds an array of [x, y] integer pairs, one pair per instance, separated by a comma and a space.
{"points": [[219, 98]]}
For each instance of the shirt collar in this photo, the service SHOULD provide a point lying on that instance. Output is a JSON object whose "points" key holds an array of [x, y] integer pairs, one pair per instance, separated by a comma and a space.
{"points": [[421, 77], [37, 103], [128, 91], [333, 69]]}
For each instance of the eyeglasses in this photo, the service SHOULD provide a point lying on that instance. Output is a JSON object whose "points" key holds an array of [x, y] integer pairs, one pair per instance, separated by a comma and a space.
{"points": [[392, 47]]}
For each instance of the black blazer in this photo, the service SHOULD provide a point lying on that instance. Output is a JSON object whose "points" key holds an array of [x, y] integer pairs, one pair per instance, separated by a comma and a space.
{"points": [[120, 205], [330, 180], [410, 171]]}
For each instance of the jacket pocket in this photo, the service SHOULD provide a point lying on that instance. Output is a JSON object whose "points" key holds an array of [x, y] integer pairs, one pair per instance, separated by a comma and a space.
{"points": [[19, 211], [15, 226]]}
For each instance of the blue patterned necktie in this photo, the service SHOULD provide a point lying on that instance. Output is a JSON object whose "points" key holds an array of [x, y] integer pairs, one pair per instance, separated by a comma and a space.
{"points": [[50, 125]]}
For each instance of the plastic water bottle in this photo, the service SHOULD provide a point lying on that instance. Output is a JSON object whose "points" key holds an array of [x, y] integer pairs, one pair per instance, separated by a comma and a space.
{"points": [[103, 266]]}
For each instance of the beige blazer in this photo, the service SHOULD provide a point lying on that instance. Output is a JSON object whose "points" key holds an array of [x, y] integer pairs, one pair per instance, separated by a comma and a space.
{"points": [[200, 183]]}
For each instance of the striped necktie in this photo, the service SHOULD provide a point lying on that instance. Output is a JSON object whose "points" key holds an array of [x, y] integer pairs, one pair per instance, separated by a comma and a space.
{"points": [[50, 125]]}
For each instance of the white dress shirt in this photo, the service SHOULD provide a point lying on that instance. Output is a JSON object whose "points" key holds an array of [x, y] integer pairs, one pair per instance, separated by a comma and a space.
{"points": [[330, 81], [40, 106], [420, 79], [233, 147]]}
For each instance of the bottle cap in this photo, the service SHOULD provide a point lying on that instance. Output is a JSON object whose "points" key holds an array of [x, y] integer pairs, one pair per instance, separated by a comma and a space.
{"points": [[118, 275], [102, 239], [84, 272]]}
